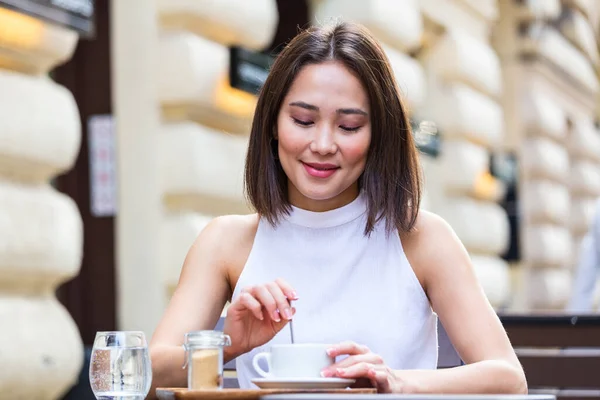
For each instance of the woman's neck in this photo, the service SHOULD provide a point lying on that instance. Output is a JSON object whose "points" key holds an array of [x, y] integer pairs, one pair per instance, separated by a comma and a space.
{"points": [[303, 202]]}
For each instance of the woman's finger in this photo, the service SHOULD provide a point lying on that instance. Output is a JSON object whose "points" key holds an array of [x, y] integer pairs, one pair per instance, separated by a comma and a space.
{"points": [[349, 348], [380, 378], [287, 289], [264, 296], [378, 375], [252, 304], [369, 358], [246, 301], [359, 370], [283, 305]]}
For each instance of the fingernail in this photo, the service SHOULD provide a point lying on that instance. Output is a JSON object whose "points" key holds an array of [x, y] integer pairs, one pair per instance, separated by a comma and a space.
{"points": [[287, 313], [340, 371], [330, 351], [294, 295], [326, 374], [276, 316]]}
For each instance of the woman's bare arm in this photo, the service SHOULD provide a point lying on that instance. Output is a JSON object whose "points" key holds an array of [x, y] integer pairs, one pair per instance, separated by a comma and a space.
{"points": [[446, 273], [204, 287]]}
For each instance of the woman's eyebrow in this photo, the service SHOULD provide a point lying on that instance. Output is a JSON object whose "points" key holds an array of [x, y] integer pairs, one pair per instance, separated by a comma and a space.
{"points": [[312, 107], [304, 105]]}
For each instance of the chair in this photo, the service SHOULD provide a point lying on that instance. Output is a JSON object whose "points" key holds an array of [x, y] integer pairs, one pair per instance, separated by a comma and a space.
{"points": [[559, 353]]}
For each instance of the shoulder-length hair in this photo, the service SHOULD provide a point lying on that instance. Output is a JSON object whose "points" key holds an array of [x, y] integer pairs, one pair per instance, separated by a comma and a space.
{"points": [[391, 181]]}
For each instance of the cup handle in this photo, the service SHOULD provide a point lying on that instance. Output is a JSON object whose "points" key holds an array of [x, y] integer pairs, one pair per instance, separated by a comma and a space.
{"points": [[257, 368]]}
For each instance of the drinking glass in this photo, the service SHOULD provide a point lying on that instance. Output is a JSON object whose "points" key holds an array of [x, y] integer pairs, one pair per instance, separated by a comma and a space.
{"points": [[120, 366]]}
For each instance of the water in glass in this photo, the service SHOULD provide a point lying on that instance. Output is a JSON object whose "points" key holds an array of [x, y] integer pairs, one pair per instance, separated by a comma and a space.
{"points": [[120, 366]]}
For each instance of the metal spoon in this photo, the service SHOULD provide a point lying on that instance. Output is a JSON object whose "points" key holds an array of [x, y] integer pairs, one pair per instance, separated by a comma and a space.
{"points": [[291, 323]]}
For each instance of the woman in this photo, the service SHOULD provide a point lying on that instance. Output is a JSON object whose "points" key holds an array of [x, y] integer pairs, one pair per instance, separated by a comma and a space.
{"points": [[588, 269], [333, 174]]}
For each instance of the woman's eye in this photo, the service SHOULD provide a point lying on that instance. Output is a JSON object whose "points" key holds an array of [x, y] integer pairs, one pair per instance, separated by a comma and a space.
{"points": [[349, 129], [302, 123]]}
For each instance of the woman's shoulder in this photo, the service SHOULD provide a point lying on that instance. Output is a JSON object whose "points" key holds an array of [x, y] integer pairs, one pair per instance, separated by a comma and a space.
{"points": [[219, 248], [230, 232], [431, 244], [233, 237], [428, 226], [225, 223]]}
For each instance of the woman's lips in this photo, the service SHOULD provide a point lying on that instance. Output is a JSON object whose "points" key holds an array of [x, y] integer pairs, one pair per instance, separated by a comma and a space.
{"points": [[319, 170]]}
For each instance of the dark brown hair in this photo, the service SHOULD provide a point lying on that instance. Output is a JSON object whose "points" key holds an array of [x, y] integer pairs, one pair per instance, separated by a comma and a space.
{"points": [[391, 181]]}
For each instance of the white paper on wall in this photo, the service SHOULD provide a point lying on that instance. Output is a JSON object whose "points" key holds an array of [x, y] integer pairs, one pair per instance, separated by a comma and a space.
{"points": [[101, 149]]}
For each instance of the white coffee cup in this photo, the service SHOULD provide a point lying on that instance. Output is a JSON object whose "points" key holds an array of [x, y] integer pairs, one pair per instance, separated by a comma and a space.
{"points": [[302, 360]]}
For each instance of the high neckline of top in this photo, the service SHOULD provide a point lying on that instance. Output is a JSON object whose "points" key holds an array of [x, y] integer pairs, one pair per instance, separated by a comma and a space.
{"points": [[327, 219]]}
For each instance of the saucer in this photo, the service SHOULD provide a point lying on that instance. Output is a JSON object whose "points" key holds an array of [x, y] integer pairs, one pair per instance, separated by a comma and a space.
{"points": [[302, 383]]}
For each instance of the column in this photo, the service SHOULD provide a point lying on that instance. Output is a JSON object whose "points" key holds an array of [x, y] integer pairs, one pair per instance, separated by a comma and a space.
{"points": [[134, 32], [41, 232]]}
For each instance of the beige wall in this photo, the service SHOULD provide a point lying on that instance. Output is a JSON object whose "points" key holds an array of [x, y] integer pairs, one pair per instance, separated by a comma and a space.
{"points": [[40, 229]]}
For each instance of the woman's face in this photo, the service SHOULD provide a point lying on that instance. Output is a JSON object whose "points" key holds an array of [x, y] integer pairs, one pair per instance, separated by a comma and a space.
{"points": [[324, 133]]}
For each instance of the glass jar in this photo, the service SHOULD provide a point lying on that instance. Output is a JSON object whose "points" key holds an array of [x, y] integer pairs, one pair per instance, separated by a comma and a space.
{"points": [[204, 358]]}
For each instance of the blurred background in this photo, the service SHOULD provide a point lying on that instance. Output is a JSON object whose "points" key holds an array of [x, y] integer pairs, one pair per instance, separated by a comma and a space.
{"points": [[124, 125]]}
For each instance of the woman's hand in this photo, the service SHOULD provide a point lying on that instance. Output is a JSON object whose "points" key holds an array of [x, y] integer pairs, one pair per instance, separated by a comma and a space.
{"points": [[364, 366], [257, 314]]}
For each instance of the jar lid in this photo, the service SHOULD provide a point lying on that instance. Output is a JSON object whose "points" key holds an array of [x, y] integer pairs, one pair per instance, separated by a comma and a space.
{"points": [[206, 338]]}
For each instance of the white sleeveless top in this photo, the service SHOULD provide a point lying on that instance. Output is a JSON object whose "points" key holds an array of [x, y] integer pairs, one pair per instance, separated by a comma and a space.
{"points": [[350, 287]]}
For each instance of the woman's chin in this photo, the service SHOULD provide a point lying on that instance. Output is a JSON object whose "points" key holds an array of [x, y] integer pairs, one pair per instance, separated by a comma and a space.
{"points": [[328, 197], [319, 195], [330, 192]]}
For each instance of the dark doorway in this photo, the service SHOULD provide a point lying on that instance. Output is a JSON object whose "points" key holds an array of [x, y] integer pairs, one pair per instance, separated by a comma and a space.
{"points": [[293, 16], [90, 297]]}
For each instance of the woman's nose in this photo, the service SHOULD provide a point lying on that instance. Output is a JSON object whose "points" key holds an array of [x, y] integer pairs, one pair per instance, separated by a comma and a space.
{"points": [[323, 142]]}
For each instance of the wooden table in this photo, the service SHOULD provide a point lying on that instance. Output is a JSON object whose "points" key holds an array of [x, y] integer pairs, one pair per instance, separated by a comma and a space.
{"points": [[246, 394]]}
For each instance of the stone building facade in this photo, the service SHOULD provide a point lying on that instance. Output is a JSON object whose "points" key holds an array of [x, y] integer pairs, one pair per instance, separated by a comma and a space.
{"points": [[496, 77], [549, 56]]}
